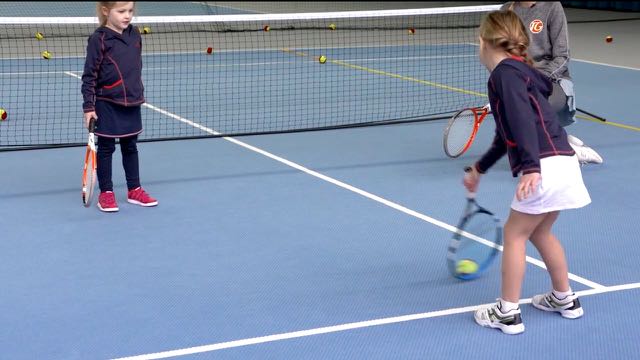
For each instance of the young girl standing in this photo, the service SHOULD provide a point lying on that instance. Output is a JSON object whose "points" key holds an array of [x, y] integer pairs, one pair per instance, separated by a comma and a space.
{"points": [[113, 93], [528, 131]]}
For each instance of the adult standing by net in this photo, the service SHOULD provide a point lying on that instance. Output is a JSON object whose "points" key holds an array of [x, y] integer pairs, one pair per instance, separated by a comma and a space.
{"points": [[549, 49]]}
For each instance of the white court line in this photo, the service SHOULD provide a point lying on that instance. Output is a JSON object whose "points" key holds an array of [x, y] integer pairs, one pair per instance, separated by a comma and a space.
{"points": [[605, 64], [345, 327], [354, 189], [69, 72]]}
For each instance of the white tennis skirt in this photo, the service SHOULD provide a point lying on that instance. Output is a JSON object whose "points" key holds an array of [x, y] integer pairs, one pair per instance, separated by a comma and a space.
{"points": [[561, 187]]}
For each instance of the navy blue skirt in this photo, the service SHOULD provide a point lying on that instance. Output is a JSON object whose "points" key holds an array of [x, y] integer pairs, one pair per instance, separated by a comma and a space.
{"points": [[116, 120]]}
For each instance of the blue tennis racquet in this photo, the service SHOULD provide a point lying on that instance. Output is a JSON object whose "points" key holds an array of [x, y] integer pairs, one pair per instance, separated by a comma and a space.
{"points": [[476, 242]]}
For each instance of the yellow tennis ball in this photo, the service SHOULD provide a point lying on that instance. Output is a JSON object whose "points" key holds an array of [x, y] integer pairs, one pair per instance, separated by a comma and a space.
{"points": [[332, 26], [3, 114], [322, 59], [46, 55], [39, 36], [146, 30], [466, 266]]}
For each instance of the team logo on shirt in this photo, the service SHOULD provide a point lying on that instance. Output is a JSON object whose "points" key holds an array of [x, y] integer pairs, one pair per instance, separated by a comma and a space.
{"points": [[536, 26]]}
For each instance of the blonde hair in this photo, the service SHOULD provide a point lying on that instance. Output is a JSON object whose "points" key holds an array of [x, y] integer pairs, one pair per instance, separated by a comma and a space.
{"points": [[107, 4], [504, 30]]}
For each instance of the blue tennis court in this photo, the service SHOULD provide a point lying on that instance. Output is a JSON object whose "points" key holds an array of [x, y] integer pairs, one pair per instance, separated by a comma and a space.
{"points": [[313, 245]]}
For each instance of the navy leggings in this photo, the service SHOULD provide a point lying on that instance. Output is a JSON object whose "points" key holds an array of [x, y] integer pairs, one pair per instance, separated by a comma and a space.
{"points": [[129, 150]]}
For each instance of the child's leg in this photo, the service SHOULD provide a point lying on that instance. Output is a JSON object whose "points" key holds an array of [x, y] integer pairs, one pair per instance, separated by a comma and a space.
{"points": [[552, 252], [129, 150], [106, 147], [517, 230], [136, 195]]}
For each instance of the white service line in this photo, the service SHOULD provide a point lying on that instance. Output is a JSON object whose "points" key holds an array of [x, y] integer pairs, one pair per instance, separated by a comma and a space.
{"points": [[345, 327], [605, 64]]}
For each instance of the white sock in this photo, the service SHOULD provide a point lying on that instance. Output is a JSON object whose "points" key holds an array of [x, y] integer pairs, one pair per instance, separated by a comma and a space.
{"points": [[562, 294], [506, 306]]}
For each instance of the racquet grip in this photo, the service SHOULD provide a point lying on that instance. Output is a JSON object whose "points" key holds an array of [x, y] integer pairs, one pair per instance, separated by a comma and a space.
{"points": [[470, 194], [92, 124]]}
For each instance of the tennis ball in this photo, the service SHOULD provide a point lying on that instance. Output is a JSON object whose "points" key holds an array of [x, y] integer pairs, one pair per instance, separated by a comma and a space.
{"points": [[322, 59], [609, 38], [3, 114], [146, 30], [412, 31], [466, 266], [39, 36], [46, 55], [332, 26], [266, 28], [209, 50]]}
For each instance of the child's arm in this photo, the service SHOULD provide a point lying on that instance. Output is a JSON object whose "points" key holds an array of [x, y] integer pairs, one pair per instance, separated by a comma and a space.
{"points": [[90, 74], [520, 116], [495, 152]]}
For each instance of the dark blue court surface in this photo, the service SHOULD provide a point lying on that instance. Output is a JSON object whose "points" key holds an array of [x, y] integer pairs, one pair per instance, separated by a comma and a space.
{"points": [[319, 245]]}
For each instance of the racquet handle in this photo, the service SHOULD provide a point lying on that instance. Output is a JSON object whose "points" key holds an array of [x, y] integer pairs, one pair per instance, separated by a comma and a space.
{"points": [[92, 124], [470, 194]]}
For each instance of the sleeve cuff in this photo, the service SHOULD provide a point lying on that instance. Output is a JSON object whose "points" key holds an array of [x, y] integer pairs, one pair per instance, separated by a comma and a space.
{"points": [[531, 171]]}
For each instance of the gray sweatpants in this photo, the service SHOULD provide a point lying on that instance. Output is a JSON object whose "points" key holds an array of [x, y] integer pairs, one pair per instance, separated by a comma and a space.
{"points": [[558, 101]]}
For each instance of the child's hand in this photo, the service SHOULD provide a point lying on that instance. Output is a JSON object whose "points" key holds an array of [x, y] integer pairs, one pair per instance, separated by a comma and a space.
{"points": [[88, 116], [471, 178], [528, 185]]}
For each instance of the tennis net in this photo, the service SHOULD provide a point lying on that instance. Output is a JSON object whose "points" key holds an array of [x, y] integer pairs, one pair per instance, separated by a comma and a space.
{"points": [[233, 75]]}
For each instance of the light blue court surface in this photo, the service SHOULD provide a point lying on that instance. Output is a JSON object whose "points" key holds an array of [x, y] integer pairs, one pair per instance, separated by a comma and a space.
{"points": [[245, 245]]}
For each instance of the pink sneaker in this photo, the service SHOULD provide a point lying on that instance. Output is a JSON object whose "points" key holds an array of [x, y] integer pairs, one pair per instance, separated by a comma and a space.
{"points": [[107, 202], [140, 197]]}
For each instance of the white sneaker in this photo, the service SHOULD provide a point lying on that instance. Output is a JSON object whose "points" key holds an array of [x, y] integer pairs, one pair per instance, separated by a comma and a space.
{"points": [[586, 155], [574, 140], [493, 317], [568, 307]]}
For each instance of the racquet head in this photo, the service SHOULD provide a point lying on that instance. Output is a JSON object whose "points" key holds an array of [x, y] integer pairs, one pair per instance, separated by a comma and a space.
{"points": [[475, 243], [461, 130]]}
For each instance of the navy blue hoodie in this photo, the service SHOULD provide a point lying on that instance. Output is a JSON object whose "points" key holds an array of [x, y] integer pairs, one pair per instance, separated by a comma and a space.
{"points": [[113, 68], [527, 128]]}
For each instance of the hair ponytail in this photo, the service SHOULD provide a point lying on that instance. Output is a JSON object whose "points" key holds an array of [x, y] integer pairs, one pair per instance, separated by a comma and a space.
{"points": [[504, 30]]}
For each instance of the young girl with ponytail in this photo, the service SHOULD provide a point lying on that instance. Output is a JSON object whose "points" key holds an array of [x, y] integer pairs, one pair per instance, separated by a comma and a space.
{"points": [[550, 180]]}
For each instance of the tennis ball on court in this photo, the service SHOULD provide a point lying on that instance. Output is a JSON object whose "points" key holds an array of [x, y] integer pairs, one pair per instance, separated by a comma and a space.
{"points": [[209, 50], [46, 55], [466, 266], [39, 36], [146, 30], [266, 28], [412, 31], [332, 26], [3, 114], [322, 59], [609, 38]]}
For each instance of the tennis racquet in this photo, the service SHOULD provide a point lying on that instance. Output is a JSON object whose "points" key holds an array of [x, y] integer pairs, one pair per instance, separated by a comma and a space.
{"points": [[476, 242], [462, 129], [89, 172]]}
